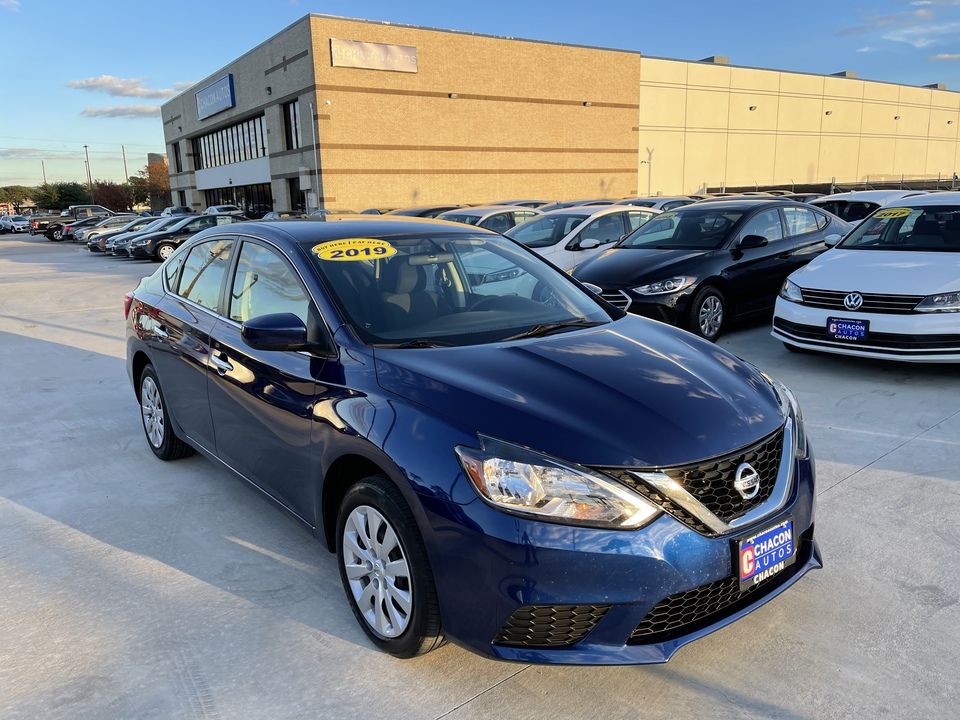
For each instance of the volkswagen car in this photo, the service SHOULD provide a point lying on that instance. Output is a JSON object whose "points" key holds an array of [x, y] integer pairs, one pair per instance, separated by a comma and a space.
{"points": [[890, 289], [549, 482], [704, 265], [498, 218]]}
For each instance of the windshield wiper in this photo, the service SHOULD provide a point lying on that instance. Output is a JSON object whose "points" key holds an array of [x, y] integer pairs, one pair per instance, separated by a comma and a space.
{"points": [[418, 343], [545, 328]]}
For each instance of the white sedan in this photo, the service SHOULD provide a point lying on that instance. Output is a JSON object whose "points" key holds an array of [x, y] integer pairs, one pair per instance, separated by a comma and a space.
{"points": [[890, 289]]}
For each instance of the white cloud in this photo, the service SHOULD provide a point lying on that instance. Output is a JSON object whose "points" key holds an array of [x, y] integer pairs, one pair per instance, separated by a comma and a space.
{"points": [[38, 154], [13, 5], [945, 56], [921, 36], [121, 87], [865, 49], [124, 111]]}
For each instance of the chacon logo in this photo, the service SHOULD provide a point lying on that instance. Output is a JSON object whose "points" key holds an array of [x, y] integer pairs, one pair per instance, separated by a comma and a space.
{"points": [[747, 481], [853, 301]]}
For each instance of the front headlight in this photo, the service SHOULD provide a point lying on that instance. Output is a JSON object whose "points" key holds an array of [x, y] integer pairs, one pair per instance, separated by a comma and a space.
{"points": [[791, 291], [944, 302], [529, 483], [674, 284], [790, 407]]}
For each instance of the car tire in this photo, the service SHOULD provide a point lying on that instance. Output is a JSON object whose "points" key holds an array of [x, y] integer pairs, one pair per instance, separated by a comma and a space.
{"points": [[385, 571], [708, 314], [164, 250], [157, 427], [56, 234]]}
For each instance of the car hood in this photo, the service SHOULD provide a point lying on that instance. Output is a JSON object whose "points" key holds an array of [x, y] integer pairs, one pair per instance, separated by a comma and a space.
{"points": [[897, 272], [634, 393], [624, 267]]}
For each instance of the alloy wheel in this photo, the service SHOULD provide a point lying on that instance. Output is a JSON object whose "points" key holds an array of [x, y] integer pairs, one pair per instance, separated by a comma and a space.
{"points": [[710, 316], [151, 407]]}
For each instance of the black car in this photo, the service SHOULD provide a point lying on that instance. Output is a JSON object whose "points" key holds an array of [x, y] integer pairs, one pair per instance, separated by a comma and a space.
{"points": [[702, 265], [159, 245], [427, 211]]}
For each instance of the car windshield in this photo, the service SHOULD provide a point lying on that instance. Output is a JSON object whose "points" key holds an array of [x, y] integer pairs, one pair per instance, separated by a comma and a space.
{"points": [[461, 218], [546, 230], [701, 228], [849, 210], [932, 228], [448, 290], [19, 218]]}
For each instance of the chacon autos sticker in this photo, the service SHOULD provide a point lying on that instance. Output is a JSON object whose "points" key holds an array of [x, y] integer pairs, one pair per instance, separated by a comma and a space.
{"points": [[354, 249], [892, 213]]}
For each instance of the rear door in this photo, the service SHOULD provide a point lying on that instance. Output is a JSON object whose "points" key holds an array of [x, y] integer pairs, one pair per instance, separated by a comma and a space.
{"points": [[180, 334]]}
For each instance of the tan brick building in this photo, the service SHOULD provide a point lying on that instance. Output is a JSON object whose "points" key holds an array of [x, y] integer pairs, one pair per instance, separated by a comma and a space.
{"points": [[395, 115]]}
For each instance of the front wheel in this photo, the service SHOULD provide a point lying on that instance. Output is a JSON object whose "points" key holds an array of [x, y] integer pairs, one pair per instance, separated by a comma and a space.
{"points": [[156, 420], [385, 570], [708, 314], [164, 250]]}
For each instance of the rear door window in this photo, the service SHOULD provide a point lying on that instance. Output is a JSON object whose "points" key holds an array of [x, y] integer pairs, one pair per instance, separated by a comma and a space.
{"points": [[203, 273]]}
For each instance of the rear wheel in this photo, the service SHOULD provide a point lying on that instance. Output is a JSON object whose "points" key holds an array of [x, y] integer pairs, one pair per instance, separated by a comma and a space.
{"points": [[708, 314], [56, 234], [164, 250], [156, 420], [385, 570]]}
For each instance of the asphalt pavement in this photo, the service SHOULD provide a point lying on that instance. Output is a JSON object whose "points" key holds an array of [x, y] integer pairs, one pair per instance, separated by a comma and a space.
{"points": [[133, 588]]}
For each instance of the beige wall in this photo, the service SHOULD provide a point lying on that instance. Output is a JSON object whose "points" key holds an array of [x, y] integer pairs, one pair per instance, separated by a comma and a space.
{"points": [[697, 119], [520, 127]]}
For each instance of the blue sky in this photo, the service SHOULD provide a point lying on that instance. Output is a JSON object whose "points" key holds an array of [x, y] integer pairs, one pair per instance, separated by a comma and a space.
{"points": [[113, 63]]}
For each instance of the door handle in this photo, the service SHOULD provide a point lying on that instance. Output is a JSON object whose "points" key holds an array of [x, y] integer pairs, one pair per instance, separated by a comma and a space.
{"points": [[160, 332], [222, 366]]}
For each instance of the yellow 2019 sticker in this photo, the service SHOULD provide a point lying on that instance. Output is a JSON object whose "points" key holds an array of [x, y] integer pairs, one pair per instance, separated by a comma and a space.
{"points": [[892, 213], [354, 249]]}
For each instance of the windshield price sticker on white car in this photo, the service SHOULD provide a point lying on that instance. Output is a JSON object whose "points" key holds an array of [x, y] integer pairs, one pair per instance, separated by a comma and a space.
{"points": [[354, 249], [892, 213], [766, 554]]}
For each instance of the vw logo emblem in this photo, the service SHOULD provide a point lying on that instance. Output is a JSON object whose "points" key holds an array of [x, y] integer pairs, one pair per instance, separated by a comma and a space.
{"points": [[853, 301], [747, 481]]}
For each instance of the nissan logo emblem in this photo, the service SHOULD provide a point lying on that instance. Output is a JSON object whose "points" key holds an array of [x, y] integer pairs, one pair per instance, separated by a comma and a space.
{"points": [[747, 481], [853, 301]]}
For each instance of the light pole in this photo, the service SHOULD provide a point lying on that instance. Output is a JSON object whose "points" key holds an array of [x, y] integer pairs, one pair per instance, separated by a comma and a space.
{"points": [[89, 180], [649, 163]]}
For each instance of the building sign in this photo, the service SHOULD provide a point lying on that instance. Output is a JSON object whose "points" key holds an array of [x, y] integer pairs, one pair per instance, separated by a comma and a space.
{"points": [[216, 97], [373, 56]]}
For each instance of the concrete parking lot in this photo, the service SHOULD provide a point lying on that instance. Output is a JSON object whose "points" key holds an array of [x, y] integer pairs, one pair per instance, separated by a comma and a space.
{"points": [[133, 588]]}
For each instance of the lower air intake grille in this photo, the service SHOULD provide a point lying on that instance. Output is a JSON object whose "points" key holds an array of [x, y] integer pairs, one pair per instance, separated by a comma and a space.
{"points": [[550, 625]]}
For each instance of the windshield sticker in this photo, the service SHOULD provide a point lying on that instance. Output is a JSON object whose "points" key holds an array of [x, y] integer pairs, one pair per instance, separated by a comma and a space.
{"points": [[892, 213], [354, 249]]}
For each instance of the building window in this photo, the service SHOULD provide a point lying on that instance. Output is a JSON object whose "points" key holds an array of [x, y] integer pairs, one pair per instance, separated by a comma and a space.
{"points": [[298, 199], [291, 124], [182, 198], [243, 141], [254, 200], [177, 160]]}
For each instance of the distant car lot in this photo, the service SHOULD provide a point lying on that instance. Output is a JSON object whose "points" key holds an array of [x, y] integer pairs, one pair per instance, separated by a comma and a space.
{"points": [[142, 589]]}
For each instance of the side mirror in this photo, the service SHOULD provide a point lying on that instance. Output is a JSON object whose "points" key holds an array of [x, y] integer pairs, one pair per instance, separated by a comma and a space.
{"points": [[588, 244], [751, 241], [595, 289], [832, 240], [278, 331]]}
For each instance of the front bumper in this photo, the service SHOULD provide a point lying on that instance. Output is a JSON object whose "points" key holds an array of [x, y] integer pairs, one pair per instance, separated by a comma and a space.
{"points": [[603, 597], [141, 252], [917, 337], [670, 308]]}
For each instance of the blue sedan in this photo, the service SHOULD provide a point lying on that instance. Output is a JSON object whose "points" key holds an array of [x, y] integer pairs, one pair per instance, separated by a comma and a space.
{"points": [[514, 465]]}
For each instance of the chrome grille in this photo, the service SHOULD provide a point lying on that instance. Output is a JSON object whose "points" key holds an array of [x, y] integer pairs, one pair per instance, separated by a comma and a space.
{"points": [[711, 483], [616, 298], [872, 302]]}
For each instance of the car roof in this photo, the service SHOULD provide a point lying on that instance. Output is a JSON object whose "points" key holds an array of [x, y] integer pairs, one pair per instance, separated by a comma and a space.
{"points": [[742, 202], [877, 196], [485, 210], [941, 198], [321, 229]]}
